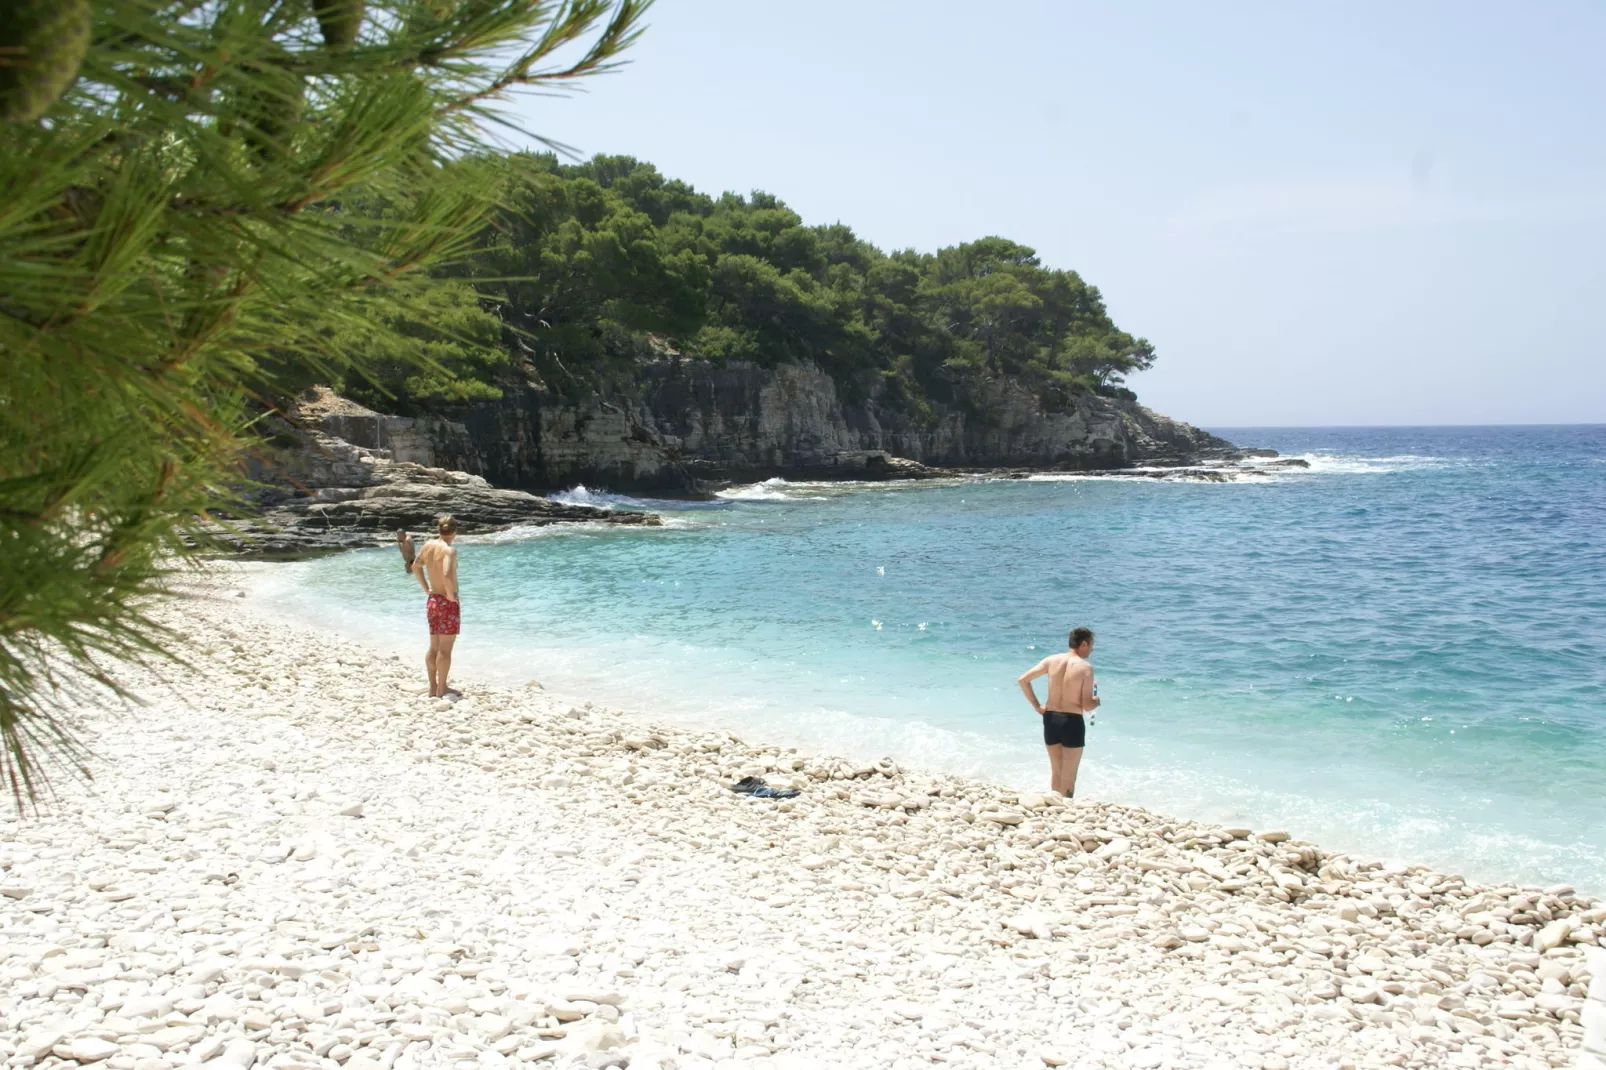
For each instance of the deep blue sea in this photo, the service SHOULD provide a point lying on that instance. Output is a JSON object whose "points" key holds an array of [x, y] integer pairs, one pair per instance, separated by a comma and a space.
{"points": [[1400, 652]]}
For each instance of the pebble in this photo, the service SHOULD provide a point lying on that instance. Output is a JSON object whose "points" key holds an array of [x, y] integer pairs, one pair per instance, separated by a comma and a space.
{"points": [[88, 1050], [1552, 935], [293, 860]]}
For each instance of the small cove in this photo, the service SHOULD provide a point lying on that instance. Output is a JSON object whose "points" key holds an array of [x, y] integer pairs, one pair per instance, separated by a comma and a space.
{"points": [[1397, 652]]}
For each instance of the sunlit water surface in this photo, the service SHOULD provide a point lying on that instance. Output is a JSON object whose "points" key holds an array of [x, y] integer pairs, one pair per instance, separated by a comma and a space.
{"points": [[1398, 652]]}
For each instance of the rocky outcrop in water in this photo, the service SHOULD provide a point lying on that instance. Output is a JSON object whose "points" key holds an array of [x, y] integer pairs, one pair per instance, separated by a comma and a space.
{"points": [[690, 423], [319, 492]]}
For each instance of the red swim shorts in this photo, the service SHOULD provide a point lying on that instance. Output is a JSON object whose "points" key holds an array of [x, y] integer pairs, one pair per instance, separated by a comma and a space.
{"points": [[445, 615]]}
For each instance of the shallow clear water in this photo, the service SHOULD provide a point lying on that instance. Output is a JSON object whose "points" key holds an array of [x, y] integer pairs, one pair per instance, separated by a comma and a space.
{"points": [[1398, 652]]}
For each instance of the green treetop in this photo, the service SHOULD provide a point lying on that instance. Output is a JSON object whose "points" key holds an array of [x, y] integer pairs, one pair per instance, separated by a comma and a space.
{"points": [[597, 265], [202, 202]]}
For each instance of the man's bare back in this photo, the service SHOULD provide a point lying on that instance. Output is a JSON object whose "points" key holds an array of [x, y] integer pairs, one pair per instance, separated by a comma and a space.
{"points": [[436, 569], [1071, 694], [1070, 683]]}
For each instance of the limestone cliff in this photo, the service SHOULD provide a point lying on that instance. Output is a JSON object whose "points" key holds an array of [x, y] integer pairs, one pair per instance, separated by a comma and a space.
{"points": [[315, 491], [688, 423]]}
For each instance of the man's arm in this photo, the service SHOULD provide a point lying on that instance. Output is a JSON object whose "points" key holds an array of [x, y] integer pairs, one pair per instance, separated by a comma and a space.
{"points": [[418, 570], [449, 573], [1025, 681], [1086, 699]]}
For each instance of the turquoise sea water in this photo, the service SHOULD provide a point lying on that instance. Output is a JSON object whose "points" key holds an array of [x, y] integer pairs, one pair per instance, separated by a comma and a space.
{"points": [[1398, 652]]}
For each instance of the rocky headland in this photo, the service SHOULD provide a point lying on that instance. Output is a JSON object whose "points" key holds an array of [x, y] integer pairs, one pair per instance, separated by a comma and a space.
{"points": [[684, 426], [339, 475], [290, 859], [318, 492]]}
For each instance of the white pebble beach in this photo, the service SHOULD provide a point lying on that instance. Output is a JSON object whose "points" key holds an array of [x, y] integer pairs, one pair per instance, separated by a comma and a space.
{"points": [[290, 858]]}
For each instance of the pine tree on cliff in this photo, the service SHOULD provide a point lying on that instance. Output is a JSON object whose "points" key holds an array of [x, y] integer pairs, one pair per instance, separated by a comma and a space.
{"points": [[179, 221]]}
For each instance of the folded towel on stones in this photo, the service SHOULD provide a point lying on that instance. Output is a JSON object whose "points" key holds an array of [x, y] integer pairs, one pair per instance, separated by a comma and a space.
{"points": [[755, 786]]}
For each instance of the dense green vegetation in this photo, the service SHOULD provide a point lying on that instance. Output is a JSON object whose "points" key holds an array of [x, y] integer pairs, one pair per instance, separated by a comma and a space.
{"points": [[200, 200], [208, 204], [594, 266]]}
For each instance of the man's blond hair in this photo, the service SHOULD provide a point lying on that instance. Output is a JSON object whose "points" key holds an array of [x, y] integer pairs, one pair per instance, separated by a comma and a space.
{"points": [[446, 525]]}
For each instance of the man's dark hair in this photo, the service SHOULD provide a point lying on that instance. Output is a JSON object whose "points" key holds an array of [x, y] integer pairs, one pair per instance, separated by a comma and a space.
{"points": [[1080, 636]]}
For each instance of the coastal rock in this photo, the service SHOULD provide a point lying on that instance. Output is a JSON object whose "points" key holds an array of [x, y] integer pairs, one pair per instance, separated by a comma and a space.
{"points": [[323, 493], [684, 424]]}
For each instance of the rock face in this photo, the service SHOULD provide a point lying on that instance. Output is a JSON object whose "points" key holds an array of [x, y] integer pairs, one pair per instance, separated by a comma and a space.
{"points": [[688, 422], [320, 492]]}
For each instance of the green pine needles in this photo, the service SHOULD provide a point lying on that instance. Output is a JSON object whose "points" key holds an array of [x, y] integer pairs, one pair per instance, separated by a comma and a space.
{"points": [[589, 270], [196, 199]]}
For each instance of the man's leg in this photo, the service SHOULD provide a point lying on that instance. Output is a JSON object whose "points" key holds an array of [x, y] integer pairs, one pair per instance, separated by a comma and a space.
{"points": [[430, 658], [1070, 761], [443, 662], [1054, 750]]}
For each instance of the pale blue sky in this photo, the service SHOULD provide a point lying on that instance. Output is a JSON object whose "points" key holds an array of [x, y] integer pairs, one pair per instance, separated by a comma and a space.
{"points": [[1359, 213]]}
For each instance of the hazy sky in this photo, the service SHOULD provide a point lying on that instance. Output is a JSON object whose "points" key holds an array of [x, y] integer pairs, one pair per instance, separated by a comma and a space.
{"points": [[1360, 213]]}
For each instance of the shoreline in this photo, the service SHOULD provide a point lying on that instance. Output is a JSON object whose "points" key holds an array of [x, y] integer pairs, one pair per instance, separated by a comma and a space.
{"points": [[711, 721], [1381, 821], [944, 920], [338, 519]]}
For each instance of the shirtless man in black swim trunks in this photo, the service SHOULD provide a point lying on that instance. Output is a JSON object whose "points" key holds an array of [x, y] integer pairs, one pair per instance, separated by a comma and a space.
{"points": [[1070, 695]]}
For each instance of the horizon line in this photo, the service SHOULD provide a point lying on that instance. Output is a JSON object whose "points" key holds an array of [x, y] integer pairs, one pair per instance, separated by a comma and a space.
{"points": [[1381, 427]]}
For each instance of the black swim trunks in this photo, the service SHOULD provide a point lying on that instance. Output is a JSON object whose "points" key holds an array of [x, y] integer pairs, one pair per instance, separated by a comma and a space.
{"points": [[1064, 729]]}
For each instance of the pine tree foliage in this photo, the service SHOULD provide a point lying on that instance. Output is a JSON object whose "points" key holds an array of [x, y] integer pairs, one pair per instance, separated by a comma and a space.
{"points": [[182, 228], [597, 268]]}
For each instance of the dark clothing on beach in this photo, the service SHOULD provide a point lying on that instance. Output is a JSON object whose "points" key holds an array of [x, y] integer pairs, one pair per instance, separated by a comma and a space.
{"points": [[1064, 729]]}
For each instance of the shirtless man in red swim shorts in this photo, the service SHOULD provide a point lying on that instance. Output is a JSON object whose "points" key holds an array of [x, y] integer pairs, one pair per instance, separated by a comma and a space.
{"points": [[435, 569]]}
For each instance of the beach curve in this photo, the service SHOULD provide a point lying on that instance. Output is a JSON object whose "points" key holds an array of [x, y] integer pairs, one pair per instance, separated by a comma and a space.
{"points": [[291, 857]]}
